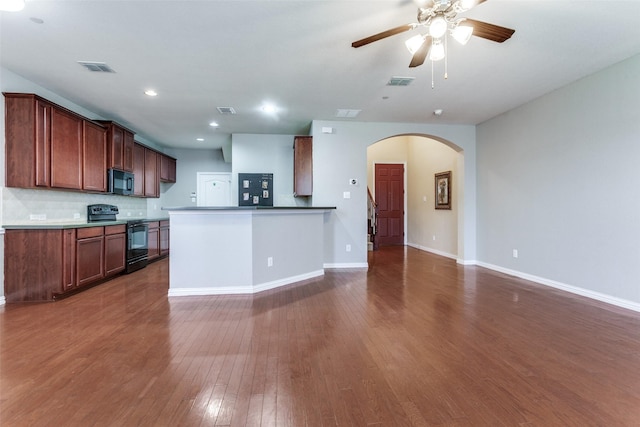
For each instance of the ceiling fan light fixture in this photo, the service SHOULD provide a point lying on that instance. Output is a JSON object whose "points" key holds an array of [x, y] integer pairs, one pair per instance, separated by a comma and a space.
{"points": [[437, 51], [462, 34], [11, 5], [464, 5], [438, 27], [414, 43]]}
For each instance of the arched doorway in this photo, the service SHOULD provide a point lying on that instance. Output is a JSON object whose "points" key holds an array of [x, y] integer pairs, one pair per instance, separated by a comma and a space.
{"points": [[426, 226]]}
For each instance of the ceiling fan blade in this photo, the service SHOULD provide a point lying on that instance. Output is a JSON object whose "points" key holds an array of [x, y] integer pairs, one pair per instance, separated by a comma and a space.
{"points": [[488, 31], [421, 54], [382, 35]]}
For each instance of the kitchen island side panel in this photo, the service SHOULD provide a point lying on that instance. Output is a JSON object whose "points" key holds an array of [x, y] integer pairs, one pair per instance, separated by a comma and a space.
{"points": [[210, 251], [287, 245], [241, 251]]}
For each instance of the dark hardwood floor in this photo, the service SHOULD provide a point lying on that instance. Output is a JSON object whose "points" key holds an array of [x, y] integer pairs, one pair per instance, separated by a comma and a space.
{"points": [[415, 341]]}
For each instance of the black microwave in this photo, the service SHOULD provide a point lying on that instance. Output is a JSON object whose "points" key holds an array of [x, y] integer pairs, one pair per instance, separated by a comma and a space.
{"points": [[120, 182]]}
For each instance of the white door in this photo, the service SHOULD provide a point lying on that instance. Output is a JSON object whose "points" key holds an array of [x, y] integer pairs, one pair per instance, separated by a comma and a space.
{"points": [[214, 189]]}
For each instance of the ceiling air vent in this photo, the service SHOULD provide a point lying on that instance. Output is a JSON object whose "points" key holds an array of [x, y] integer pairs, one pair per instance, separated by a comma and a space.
{"points": [[99, 67], [346, 113], [226, 110], [400, 81]]}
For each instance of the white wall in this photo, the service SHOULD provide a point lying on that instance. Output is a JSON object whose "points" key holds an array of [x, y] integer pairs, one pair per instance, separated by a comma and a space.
{"points": [[342, 155], [558, 180], [266, 154], [435, 230], [189, 163]]}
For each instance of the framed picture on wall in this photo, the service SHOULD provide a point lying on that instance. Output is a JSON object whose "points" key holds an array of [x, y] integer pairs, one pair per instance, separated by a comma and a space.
{"points": [[443, 190]]}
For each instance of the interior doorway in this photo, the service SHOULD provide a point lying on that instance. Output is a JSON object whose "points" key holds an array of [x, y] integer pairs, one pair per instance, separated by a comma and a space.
{"points": [[214, 189], [425, 226], [389, 196]]}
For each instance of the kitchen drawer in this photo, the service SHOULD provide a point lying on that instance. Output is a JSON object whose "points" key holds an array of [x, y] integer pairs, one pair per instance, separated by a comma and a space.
{"points": [[164, 223], [115, 229], [154, 224], [85, 233]]}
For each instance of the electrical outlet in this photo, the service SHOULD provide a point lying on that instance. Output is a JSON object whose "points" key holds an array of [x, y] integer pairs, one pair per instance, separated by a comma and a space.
{"points": [[38, 217], [76, 215], [515, 253], [270, 261], [434, 237], [348, 248]]}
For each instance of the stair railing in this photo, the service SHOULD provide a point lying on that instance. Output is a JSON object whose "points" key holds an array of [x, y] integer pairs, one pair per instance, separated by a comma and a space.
{"points": [[372, 214]]}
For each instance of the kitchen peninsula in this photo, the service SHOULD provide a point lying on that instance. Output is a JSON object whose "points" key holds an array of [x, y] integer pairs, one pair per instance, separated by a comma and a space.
{"points": [[240, 250]]}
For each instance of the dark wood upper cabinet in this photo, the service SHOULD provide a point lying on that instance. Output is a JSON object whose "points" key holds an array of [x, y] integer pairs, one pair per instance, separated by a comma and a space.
{"points": [[119, 146], [48, 146], [127, 154], [167, 168], [151, 165], [138, 170], [94, 157], [66, 150], [43, 144], [302, 166]]}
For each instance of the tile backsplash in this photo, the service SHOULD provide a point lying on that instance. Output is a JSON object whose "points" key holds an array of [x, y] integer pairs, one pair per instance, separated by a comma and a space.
{"points": [[23, 206]]}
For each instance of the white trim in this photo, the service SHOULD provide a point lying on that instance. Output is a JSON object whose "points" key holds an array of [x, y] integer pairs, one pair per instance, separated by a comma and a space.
{"points": [[2, 301], [631, 305], [237, 290], [362, 265], [433, 251], [466, 262], [287, 281]]}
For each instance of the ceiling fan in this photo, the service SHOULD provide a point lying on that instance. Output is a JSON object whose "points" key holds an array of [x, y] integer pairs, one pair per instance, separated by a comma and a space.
{"points": [[439, 17]]}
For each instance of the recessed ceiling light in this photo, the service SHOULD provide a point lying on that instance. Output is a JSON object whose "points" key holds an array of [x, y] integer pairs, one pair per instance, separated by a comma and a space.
{"points": [[150, 92], [437, 112], [269, 108], [199, 139], [214, 124]]}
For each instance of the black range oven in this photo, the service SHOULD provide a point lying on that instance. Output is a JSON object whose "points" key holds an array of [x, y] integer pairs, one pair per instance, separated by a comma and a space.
{"points": [[137, 245]]}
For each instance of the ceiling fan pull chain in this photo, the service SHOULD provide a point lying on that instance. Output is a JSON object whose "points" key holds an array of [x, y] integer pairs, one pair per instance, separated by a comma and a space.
{"points": [[432, 83], [446, 57]]}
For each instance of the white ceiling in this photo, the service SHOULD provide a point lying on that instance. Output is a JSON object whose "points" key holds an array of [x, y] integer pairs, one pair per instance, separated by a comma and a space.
{"points": [[297, 54]]}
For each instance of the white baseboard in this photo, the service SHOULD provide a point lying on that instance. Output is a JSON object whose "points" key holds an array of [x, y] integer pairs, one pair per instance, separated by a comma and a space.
{"points": [[565, 287], [433, 251], [242, 290], [361, 265], [2, 300]]}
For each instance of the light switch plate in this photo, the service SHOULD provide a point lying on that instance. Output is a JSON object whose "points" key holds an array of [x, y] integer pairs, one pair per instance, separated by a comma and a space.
{"points": [[346, 195]]}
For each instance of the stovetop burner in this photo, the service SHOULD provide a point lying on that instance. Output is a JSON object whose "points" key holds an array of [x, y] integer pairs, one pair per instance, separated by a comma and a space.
{"points": [[97, 213]]}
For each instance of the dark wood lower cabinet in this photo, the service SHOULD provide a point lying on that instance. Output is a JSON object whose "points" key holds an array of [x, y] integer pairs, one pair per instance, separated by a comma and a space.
{"points": [[68, 259], [43, 265], [164, 238], [89, 255], [115, 247], [154, 240], [32, 264]]}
